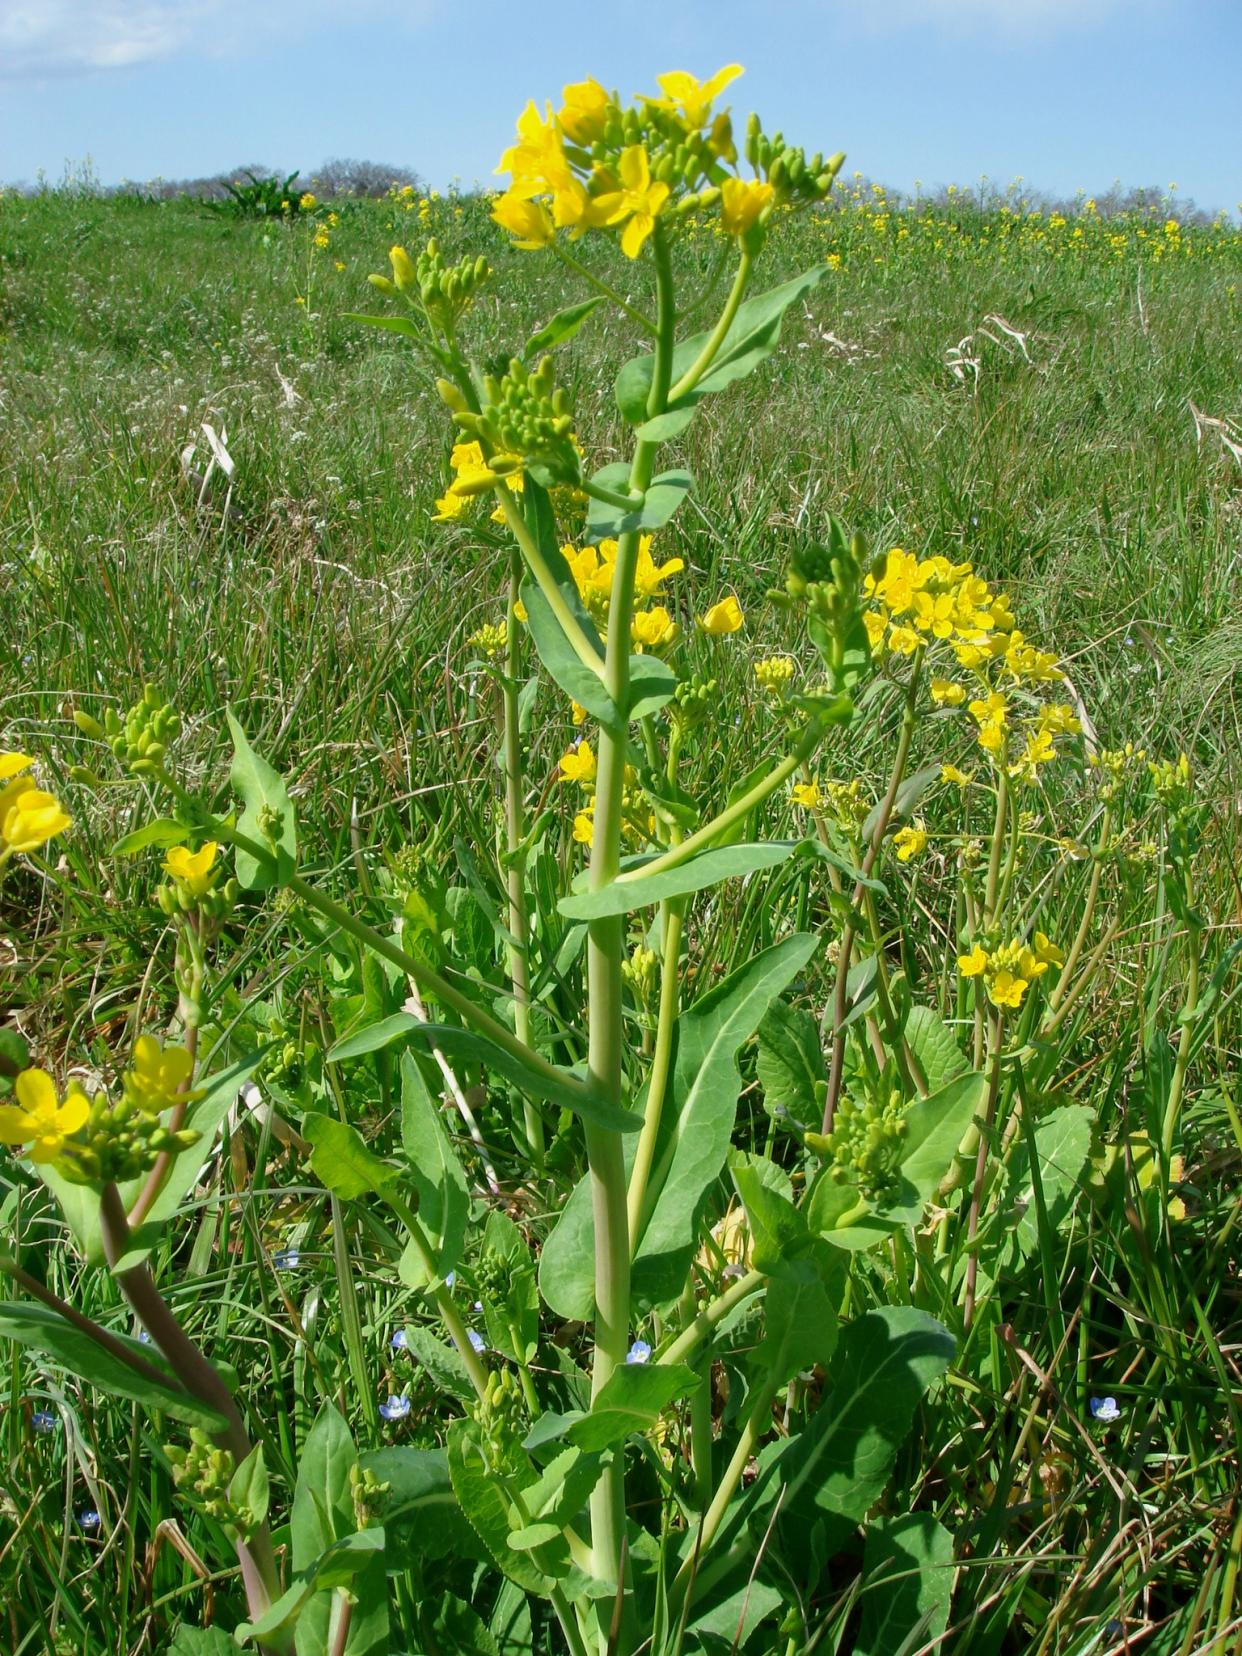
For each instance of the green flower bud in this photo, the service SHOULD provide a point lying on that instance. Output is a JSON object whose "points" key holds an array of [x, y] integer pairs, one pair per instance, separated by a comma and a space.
{"points": [[88, 726]]}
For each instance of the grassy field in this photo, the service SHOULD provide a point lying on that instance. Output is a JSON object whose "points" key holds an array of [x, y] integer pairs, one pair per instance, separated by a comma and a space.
{"points": [[1057, 401]]}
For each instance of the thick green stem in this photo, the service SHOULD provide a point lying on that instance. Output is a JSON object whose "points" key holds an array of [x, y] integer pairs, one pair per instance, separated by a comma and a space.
{"points": [[708, 354], [515, 862], [841, 993], [679, 1349], [605, 953], [672, 914]]}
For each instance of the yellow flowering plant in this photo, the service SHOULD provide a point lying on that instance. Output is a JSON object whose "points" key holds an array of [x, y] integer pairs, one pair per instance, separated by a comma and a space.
{"points": [[578, 999]]}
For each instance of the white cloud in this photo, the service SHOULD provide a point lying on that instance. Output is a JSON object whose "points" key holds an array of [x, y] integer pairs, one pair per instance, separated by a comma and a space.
{"points": [[69, 37]]}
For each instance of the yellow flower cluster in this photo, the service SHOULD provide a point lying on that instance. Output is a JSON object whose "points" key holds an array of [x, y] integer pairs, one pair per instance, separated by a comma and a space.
{"points": [[774, 674], [920, 603], [638, 824], [472, 476], [594, 165], [40, 1119], [490, 639], [29, 816], [1008, 971], [194, 871]]}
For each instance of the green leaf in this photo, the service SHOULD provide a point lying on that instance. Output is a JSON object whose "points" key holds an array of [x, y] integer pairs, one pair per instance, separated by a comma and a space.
{"points": [[907, 1585], [652, 683], [935, 1047], [444, 1363], [564, 1486], [265, 795], [328, 1548], [323, 1508], [202, 1641], [249, 1489], [661, 500], [790, 1062], [630, 1400], [399, 1027], [458, 1628], [485, 1505], [42, 1330], [565, 667], [637, 890], [799, 1325], [567, 1258], [162, 832], [1063, 1145], [664, 427], [340, 1158], [564, 325], [443, 1193], [309, 1603], [693, 1145], [779, 1236], [836, 1468], [751, 339]]}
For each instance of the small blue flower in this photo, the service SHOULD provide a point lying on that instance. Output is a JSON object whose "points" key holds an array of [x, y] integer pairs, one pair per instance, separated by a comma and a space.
{"points": [[288, 1259], [1105, 1408], [476, 1339], [396, 1408], [43, 1420], [639, 1352], [400, 1340], [451, 1279], [89, 1519], [144, 1337], [478, 1305]]}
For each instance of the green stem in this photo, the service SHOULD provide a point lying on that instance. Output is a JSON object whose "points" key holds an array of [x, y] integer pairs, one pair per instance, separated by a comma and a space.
{"points": [[680, 1348], [610, 497], [635, 315], [515, 866], [836, 1068], [756, 1421], [444, 1302], [672, 914], [1062, 984], [581, 645], [1181, 1063], [703, 837], [708, 354], [991, 890], [605, 952]]}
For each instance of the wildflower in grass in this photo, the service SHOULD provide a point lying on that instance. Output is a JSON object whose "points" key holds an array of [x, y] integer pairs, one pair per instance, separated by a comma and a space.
{"points": [[577, 712], [961, 778], [636, 203], [584, 824], [396, 1408], [478, 1343], [322, 238], [722, 618], [903, 640], [528, 221], [287, 1259], [40, 1119], [639, 1352], [192, 870], [741, 203], [157, 1076], [584, 113], [774, 674], [491, 639], [1105, 1409], [1006, 989], [973, 964], [577, 764], [653, 629], [400, 1340], [909, 841], [690, 98], [807, 795], [307, 202], [649, 577], [88, 1519], [947, 694], [29, 816], [44, 1421]]}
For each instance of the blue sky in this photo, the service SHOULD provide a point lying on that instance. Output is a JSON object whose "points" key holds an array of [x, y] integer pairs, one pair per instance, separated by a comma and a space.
{"points": [[1068, 94]]}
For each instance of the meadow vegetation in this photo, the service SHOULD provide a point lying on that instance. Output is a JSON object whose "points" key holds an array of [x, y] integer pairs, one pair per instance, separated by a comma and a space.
{"points": [[922, 1328]]}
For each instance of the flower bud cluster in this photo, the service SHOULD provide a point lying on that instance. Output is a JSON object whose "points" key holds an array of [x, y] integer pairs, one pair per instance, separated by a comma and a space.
{"points": [[526, 415], [693, 699], [866, 1144], [825, 582], [149, 728], [639, 972], [501, 1416], [794, 175], [203, 1473], [445, 291], [368, 1494], [122, 1140]]}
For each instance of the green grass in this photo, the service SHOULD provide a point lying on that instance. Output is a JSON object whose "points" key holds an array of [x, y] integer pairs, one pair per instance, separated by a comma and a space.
{"points": [[334, 618]]}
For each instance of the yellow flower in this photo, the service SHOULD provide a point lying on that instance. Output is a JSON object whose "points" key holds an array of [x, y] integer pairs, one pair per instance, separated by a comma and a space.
{"points": [[637, 203], [900, 581], [1046, 951], [807, 795], [584, 826], [974, 963], [307, 202], [1038, 751], [741, 202], [649, 576], [774, 674], [876, 623], [39, 1119], [1059, 719], [322, 238], [29, 816], [529, 221], [691, 98], [904, 640], [577, 712], [585, 112], [909, 841], [538, 157], [947, 694], [950, 773], [403, 272], [157, 1075], [654, 629], [578, 765], [723, 618], [1006, 990], [192, 869]]}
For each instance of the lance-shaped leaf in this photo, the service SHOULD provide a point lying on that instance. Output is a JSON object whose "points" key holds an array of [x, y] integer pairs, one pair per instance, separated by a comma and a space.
{"points": [[163, 832], [638, 890], [268, 819], [790, 1065], [487, 1508], [443, 1193], [698, 1124], [630, 1400], [751, 339], [341, 1160], [564, 325]]}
